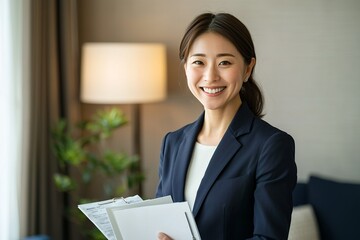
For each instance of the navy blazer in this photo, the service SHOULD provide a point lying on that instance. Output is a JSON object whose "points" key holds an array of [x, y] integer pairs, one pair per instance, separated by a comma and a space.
{"points": [[246, 192]]}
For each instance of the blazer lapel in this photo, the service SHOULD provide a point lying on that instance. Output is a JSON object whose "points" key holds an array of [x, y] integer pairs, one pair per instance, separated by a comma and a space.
{"points": [[183, 159], [222, 155], [225, 151]]}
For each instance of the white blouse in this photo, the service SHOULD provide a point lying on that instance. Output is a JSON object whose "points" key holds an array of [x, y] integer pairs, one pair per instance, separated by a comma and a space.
{"points": [[196, 171]]}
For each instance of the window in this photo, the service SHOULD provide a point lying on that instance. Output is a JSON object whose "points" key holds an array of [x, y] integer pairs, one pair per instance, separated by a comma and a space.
{"points": [[14, 75]]}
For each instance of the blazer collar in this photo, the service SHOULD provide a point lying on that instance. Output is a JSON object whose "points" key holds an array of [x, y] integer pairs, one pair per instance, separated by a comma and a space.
{"points": [[242, 121], [228, 146]]}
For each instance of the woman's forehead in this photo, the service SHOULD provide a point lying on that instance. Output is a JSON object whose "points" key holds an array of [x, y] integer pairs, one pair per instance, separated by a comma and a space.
{"points": [[211, 42]]}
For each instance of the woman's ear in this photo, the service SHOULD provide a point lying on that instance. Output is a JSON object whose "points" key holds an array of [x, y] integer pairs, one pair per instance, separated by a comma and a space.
{"points": [[250, 67], [184, 65]]}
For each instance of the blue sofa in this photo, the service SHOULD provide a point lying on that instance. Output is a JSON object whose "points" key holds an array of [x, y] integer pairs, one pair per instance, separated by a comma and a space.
{"points": [[335, 204]]}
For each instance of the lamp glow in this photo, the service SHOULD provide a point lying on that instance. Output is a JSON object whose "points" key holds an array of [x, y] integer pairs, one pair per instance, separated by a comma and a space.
{"points": [[123, 73]]}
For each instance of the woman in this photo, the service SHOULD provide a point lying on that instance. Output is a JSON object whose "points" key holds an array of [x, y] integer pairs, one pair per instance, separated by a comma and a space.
{"points": [[236, 171]]}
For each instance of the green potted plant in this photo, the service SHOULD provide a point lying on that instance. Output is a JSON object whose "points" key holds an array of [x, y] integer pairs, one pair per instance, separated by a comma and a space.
{"points": [[84, 160]]}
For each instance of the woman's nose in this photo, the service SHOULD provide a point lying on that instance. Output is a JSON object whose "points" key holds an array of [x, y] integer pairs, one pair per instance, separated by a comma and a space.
{"points": [[211, 73]]}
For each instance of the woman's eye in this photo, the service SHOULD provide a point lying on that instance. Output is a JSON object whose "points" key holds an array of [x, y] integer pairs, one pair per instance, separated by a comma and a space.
{"points": [[197, 62], [224, 63]]}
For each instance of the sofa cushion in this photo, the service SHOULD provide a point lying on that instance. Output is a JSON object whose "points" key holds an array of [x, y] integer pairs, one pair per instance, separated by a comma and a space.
{"points": [[303, 224], [300, 194], [337, 207]]}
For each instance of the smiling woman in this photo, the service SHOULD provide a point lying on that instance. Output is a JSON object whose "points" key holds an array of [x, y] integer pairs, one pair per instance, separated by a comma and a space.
{"points": [[13, 76], [229, 150]]}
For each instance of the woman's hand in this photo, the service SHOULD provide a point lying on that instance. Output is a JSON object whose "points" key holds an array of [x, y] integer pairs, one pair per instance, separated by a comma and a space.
{"points": [[163, 236]]}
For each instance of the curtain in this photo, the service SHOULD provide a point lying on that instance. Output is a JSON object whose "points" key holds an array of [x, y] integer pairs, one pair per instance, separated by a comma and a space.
{"points": [[14, 38], [54, 95]]}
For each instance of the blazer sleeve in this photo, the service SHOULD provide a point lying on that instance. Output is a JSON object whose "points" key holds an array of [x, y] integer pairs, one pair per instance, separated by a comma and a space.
{"points": [[276, 176], [159, 190]]}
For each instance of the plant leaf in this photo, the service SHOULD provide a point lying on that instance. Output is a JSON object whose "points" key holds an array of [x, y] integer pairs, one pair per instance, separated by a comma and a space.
{"points": [[64, 183]]}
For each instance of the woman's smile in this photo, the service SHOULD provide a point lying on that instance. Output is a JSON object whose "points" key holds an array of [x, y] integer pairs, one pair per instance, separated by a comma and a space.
{"points": [[213, 91]]}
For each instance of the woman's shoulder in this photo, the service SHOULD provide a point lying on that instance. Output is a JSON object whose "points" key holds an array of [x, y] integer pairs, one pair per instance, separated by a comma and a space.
{"points": [[246, 123], [182, 131], [266, 130], [265, 126], [186, 130]]}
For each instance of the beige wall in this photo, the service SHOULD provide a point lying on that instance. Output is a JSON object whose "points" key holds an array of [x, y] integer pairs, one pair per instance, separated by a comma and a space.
{"points": [[308, 66]]}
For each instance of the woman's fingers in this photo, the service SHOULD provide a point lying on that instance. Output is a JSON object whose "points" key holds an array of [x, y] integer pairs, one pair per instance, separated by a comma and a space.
{"points": [[163, 236]]}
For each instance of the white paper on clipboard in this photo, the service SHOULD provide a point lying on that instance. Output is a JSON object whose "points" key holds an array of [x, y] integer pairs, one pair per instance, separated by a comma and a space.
{"points": [[97, 214], [145, 221]]}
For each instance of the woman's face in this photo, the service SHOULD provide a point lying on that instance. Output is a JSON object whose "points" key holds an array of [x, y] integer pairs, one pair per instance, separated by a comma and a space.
{"points": [[215, 71]]}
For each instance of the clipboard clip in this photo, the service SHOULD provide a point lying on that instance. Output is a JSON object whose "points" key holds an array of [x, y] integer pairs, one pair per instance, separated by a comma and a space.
{"points": [[113, 200]]}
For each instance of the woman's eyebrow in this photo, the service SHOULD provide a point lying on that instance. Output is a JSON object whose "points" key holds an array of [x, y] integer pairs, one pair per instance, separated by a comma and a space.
{"points": [[225, 55], [198, 55], [218, 55]]}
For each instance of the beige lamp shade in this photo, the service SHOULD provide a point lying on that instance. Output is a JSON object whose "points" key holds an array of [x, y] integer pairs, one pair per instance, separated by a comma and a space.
{"points": [[122, 73]]}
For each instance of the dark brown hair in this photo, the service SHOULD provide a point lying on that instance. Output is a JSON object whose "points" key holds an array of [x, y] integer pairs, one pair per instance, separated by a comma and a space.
{"points": [[236, 32]]}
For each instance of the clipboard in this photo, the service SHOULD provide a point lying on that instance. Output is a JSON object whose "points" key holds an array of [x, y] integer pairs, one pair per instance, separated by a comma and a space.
{"points": [[133, 218], [112, 212], [144, 220]]}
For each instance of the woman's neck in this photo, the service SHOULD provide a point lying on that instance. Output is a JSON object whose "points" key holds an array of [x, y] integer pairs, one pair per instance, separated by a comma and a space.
{"points": [[216, 122]]}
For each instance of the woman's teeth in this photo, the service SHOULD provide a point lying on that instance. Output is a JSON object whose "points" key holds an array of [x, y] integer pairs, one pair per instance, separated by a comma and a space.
{"points": [[213, 90]]}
